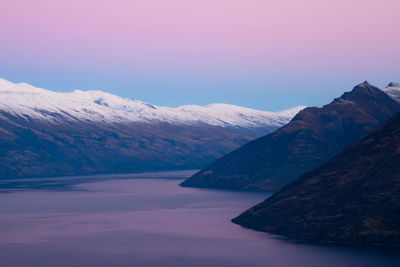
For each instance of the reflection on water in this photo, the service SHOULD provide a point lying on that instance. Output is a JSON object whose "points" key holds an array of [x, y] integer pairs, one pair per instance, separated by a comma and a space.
{"points": [[148, 222], [65, 183]]}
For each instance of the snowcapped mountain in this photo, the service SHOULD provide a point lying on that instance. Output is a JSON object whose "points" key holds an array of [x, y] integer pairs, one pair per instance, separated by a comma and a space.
{"points": [[45, 133], [393, 90], [25, 100]]}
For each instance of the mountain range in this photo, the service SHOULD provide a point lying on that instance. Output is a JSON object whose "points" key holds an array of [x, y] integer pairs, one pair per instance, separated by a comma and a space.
{"points": [[354, 198], [310, 139], [46, 133]]}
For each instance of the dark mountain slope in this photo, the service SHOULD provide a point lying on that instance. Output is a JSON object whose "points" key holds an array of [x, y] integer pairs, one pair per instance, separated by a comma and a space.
{"points": [[312, 137], [31, 148], [352, 199]]}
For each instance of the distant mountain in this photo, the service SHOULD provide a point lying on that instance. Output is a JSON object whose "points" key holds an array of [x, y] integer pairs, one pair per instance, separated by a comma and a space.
{"points": [[393, 90], [352, 199], [313, 137], [45, 133]]}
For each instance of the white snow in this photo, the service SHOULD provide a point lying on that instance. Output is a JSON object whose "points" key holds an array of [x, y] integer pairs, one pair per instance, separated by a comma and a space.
{"points": [[23, 100], [393, 91]]}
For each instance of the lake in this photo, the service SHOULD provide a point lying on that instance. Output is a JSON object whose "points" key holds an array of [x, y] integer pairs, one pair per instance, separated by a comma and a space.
{"points": [[147, 220]]}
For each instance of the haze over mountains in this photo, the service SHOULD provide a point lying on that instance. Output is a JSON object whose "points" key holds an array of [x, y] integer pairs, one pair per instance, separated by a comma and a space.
{"points": [[313, 137], [45, 133], [354, 198]]}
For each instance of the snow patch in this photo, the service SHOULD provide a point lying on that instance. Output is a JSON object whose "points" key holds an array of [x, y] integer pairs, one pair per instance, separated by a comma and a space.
{"points": [[393, 90]]}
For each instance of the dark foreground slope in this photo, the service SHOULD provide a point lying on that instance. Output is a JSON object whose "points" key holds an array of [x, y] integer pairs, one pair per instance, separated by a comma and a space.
{"points": [[313, 137], [352, 199]]}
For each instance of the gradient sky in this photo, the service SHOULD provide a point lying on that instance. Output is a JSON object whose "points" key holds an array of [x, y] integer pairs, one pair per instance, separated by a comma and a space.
{"points": [[265, 54]]}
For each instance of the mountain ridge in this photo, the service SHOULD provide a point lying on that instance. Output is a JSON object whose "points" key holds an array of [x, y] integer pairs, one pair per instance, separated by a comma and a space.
{"points": [[45, 133], [311, 138], [353, 199], [103, 106]]}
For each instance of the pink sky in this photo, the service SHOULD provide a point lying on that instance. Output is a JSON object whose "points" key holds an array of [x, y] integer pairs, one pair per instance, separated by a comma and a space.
{"points": [[226, 37]]}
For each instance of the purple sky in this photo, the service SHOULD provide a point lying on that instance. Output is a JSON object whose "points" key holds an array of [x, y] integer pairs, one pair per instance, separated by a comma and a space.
{"points": [[264, 54]]}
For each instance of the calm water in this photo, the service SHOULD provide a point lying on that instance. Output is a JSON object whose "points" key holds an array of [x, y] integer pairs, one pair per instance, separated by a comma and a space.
{"points": [[137, 220]]}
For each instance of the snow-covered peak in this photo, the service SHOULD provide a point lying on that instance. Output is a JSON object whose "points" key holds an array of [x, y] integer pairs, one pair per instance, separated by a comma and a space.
{"points": [[393, 90], [393, 84], [25, 100], [5, 84], [291, 111]]}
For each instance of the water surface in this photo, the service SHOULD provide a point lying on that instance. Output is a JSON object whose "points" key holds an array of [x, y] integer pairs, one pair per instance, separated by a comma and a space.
{"points": [[145, 220]]}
